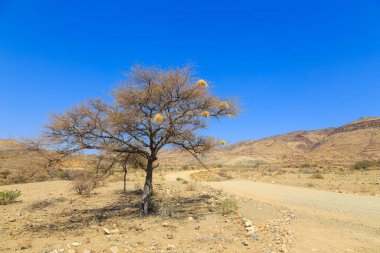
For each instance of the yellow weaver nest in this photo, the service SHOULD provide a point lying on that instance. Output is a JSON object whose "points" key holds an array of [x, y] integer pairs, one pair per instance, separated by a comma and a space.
{"points": [[222, 142], [205, 114], [202, 83], [224, 105], [158, 118]]}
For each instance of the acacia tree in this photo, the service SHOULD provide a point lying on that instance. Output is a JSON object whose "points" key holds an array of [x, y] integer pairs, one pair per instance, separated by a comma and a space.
{"points": [[154, 108]]}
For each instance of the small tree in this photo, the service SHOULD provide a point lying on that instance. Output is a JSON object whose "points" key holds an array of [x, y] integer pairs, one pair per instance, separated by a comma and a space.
{"points": [[153, 109]]}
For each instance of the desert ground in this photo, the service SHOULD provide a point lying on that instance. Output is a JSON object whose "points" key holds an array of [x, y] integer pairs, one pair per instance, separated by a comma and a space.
{"points": [[51, 217]]}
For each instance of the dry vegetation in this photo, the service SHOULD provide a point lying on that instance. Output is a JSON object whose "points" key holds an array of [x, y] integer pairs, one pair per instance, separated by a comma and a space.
{"points": [[343, 179], [107, 219]]}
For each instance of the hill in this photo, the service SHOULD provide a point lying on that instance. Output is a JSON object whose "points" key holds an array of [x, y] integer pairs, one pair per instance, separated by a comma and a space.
{"points": [[355, 141]]}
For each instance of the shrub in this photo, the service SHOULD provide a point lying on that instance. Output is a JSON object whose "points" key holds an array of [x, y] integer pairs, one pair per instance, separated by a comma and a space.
{"points": [[317, 176], [7, 197], [162, 205], [228, 206], [84, 183], [167, 209], [362, 165]]}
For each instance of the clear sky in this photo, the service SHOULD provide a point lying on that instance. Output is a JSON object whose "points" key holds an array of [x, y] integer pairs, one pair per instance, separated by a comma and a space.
{"points": [[294, 65]]}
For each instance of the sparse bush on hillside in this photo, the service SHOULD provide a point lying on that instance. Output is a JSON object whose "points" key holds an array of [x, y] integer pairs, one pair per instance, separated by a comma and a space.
{"points": [[228, 206], [362, 165], [308, 171], [7, 197]]}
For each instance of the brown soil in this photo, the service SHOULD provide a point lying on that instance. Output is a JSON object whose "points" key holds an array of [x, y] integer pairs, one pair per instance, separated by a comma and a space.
{"points": [[50, 217]]}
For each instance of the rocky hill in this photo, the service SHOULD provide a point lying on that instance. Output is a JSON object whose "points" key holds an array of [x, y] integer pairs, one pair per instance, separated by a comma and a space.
{"points": [[344, 145], [358, 140]]}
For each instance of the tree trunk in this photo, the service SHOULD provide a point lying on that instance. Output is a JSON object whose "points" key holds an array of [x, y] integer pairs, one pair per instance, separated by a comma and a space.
{"points": [[125, 178], [148, 189]]}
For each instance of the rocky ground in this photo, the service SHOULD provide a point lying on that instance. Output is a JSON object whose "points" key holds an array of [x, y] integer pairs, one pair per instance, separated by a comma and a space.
{"points": [[187, 217], [51, 217], [300, 219]]}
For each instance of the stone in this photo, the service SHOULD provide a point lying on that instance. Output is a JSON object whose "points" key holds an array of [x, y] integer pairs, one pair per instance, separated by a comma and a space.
{"points": [[190, 218], [24, 244], [170, 246], [165, 224], [115, 231], [245, 243], [248, 223], [71, 251], [106, 231], [284, 248], [114, 249], [76, 244]]}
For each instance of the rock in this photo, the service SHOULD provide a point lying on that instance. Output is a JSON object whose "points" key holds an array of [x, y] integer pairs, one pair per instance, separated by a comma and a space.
{"points": [[197, 227], [111, 231], [190, 218], [249, 229], [24, 244], [170, 246], [253, 234], [12, 220], [76, 244], [115, 231], [87, 251], [114, 249], [165, 224], [245, 243], [71, 251], [284, 248], [248, 223], [169, 236]]}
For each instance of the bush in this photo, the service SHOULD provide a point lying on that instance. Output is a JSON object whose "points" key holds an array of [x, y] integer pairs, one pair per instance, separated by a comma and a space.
{"points": [[362, 165], [7, 197], [317, 176], [84, 183], [228, 206], [167, 209]]}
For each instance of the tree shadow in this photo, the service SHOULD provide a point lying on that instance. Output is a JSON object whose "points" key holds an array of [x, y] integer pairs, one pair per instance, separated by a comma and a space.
{"points": [[125, 207]]}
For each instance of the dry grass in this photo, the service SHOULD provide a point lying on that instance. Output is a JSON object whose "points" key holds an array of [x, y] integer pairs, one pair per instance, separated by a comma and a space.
{"points": [[228, 206], [317, 176], [7, 197]]}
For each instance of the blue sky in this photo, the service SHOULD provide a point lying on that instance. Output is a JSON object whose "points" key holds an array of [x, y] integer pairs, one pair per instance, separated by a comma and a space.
{"points": [[294, 65]]}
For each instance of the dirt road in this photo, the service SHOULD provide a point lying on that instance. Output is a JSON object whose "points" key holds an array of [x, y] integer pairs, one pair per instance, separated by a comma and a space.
{"points": [[327, 221]]}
